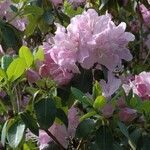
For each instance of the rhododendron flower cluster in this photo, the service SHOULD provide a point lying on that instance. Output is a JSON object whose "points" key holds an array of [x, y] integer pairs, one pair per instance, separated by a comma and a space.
{"points": [[90, 39]]}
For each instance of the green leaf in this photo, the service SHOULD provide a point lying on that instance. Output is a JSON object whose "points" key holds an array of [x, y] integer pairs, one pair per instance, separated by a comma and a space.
{"points": [[80, 96], [129, 97], [4, 132], [31, 25], [104, 138], [5, 61], [99, 102], [62, 116], [85, 128], [39, 55], [34, 10], [15, 133], [45, 111], [11, 37], [16, 69], [97, 90], [125, 132], [123, 129], [30, 122], [2, 74], [25, 53], [88, 115]]}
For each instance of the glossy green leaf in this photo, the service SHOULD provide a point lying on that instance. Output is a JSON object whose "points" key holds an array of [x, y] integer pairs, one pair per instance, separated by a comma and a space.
{"points": [[62, 116], [15, 133], [39, 55], [30, 122], [5, 61], [16, 69], [2, 74], [80, 96], [4, 133], [104, 138], [85, 128], [25, 53], [88, 115], [99, 102], [97, 90], [45, 111]]}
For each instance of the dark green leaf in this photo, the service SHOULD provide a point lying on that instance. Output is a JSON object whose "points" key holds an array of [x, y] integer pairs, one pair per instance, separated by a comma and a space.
{"points": [[80, 96], [45, 111], [5, 61], [15, 133], [30, 122], [85, 128], [104, 138], [62, 116], [4, 133]]}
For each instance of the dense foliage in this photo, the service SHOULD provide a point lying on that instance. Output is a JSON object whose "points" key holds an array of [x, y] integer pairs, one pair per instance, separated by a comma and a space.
{"points": [[75, 74]]}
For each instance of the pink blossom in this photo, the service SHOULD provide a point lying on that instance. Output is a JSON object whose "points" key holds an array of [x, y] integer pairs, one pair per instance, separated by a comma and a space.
{"points": [[141, 85], [127, 114], [121, 102], [111, 86], [147, 42], [59, 131], [108, 110], [90, 39], [57, 2], [145, 14], [52, 70], [4, 5], [32, 76], [73, 117]]}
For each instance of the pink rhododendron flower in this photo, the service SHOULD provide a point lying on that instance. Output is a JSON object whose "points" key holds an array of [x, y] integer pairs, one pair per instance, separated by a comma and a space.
{"points": [[147, 42], [90, 39], [32, 76], [111, 86], [145, 14], [121, 102], [60, 131], [141, 85], [127, 114], [4, 5], [108, 110], [54, 71]]}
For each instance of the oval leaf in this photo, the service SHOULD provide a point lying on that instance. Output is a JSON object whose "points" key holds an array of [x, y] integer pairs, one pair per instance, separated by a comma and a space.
{"points": [[16, 69], [15, 133], [85, 128], [25, 53], [45, 111]]}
